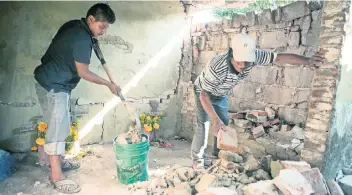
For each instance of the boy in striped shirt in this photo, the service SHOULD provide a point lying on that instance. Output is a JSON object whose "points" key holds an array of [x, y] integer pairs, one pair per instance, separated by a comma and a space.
{"points": [[217, 80]]}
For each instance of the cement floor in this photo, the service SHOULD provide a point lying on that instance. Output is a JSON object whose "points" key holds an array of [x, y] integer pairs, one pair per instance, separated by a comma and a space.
{"points": [[97, 174]]}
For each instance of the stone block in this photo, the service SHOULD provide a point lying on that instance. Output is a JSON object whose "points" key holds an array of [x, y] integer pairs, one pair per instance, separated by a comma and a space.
{"points": [[273, 39], [250, 19], [262, 188], [244, 90], [230, 156], [264, 74], [277, 95], [315, 5], [234, 104], [236, 20], [242, 123], [206, 56], [316, 179], [291, 182], [293, 39], [298, 77], [257, 116], [277, 14], [294, 10], [302, 95], [270, 112], [266, 17], [299, 50], [334, 188], [220, 42], [293, 115]]}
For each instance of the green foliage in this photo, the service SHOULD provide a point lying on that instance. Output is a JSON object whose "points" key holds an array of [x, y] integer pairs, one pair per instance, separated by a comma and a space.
{"points": [[256, 6]]}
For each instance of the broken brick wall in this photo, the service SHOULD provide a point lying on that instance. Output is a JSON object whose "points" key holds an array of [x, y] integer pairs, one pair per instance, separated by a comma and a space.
{"points": [[294, 28]]}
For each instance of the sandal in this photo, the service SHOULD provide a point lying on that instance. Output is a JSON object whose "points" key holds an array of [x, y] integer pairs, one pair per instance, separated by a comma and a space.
{"points": [[66, 186], [69, 166]]}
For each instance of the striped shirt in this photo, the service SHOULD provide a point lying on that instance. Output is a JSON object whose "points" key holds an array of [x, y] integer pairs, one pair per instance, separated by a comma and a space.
{"points": [[219, 76]]}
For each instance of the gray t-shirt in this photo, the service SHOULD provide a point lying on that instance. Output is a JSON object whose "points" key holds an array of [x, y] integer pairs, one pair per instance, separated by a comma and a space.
{"points": [[73, 42]]}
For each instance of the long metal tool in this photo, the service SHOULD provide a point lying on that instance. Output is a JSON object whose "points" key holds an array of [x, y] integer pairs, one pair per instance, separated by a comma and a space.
{"points": [[133, 114]]}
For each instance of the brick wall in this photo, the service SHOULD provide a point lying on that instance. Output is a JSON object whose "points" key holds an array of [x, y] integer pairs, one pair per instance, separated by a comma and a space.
{"points": [[324, 85], [294, 28]]}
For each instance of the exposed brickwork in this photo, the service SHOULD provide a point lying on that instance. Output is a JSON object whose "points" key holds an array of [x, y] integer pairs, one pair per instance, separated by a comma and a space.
{"points": [[286, 88], [323, 86]]}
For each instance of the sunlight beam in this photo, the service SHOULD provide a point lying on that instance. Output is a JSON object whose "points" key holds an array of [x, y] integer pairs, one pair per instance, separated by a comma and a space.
{"points": [[131, 84]]}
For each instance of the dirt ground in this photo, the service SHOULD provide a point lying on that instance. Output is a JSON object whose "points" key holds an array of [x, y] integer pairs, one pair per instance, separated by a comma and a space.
{"points": [[97, 174]]}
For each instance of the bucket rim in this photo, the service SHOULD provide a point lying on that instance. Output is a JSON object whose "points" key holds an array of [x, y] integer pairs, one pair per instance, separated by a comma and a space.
{"points": [[142, 135]]}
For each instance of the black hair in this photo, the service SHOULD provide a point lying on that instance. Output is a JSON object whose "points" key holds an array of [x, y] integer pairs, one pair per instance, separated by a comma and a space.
{"points": [[102, 12]]}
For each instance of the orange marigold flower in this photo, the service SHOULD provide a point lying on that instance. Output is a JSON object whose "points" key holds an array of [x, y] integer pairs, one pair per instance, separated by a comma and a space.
{"points": [[40, 141], [156, 126], [42, 127], [34, 148]]}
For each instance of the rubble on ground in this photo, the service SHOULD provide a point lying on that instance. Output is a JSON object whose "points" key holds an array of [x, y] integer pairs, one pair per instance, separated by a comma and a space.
{"points": [[132, 136], [237, 174], [282, 140]]}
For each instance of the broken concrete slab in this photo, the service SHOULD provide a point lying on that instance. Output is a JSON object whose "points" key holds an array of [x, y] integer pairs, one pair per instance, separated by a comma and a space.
{"points": [[292, 182], [262, 188], [316, 179], [346, 184]]}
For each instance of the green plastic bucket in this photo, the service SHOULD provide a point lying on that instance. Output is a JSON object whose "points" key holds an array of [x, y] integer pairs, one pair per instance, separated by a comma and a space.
{"points": [[132, 161]]}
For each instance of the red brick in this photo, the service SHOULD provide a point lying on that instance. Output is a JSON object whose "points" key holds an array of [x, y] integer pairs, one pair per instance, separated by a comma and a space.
{"points": [[236, 115], [275, 121]]}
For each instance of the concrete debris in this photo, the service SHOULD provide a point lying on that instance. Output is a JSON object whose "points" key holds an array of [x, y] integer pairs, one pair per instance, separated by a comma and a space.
{"points": [[316, 179], [258, 131], [227, 140], [292, 182], [242, 123], [298, 165], [230, 156], [297, 132], [270, 112], [275, 168], [218, 191], [241, 174], [262, 188], [257, 116], [130, 137]]}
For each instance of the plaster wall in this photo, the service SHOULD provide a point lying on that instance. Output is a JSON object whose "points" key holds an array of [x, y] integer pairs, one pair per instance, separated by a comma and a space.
{"points": [[141, 31]]}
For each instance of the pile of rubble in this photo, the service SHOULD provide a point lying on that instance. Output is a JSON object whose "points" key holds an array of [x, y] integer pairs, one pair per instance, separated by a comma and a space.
{"points": [[239, 174], [132, 136], [262, 122], [279, 138]]}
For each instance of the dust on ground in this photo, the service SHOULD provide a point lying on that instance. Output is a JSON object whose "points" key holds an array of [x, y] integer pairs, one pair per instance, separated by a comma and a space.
{"points": [[97, 174]]}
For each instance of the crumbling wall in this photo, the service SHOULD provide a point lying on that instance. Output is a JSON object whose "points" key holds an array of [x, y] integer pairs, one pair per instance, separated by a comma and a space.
{"points": [[294, 28]]}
